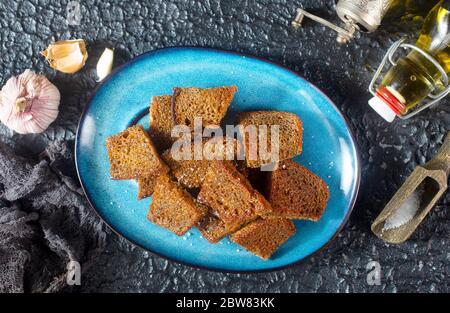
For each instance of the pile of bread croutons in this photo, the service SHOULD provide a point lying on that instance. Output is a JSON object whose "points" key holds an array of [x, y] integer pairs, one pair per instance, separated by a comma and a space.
{"points": [[220, 197]]}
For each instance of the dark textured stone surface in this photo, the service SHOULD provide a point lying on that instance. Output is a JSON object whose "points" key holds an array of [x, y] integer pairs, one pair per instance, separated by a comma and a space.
{"points": [[259, 27]]}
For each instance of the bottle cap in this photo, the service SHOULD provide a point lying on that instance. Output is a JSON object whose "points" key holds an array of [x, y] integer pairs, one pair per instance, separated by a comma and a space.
{"points": [[382, 109]]}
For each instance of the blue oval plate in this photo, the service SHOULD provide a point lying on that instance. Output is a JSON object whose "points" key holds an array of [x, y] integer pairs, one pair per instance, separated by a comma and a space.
{"points": [[328, 150]]}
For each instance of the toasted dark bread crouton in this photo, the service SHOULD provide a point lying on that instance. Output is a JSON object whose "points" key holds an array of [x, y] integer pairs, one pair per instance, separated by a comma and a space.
{"points": [[296, 193], [161, 122], [210, 104], [173, 207], [132, 154], [230, 196], [290, 136], [191, 172], [264, 236], [146, 186]]}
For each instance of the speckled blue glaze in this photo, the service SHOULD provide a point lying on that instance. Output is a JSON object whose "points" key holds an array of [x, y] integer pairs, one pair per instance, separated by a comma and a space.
{"points": [[328, 149]]}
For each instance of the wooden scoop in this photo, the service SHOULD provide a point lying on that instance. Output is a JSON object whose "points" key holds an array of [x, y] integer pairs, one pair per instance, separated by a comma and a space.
{"points": [[427, 184]]}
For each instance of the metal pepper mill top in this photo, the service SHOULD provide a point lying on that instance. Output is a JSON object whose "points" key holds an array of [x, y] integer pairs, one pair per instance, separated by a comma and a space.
{"points": [[358, 15]]}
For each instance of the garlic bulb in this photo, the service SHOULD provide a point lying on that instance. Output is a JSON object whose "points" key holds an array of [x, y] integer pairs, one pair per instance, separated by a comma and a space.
{"points": [[105, 63], [29, 103], [67, 56]]}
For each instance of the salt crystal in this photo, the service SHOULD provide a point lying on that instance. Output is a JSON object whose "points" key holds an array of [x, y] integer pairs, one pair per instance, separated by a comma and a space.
{"points": [[420, 265], [405, 212]]}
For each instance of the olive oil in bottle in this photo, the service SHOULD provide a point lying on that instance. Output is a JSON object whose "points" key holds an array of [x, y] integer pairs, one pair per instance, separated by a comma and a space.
{"points": [[411, 9], [416, 76]]}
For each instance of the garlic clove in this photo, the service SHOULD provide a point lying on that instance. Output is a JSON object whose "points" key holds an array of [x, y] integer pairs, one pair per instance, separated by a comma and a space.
{"points": [[67, 56], [105, 63]]}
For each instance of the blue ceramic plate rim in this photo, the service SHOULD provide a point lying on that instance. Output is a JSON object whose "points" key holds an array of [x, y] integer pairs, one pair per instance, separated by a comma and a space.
{"points": [[331, 102]]}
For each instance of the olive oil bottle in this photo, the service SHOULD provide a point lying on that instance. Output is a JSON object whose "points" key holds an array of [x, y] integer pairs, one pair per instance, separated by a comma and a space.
{"points": [[422, 72], [411, 9]]}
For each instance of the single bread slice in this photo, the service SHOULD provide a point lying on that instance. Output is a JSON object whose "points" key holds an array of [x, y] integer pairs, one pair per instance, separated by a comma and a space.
{"points": [[131, 154], [209, 104], [297, 193], [173, 207], [230, 196], [146, 185], [191, 170], [258, 146], [214, 229], [161, 122], [264, 236]]}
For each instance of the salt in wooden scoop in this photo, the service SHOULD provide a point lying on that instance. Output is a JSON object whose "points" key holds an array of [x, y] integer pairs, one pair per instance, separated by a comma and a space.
{"points": [[415, 198]]}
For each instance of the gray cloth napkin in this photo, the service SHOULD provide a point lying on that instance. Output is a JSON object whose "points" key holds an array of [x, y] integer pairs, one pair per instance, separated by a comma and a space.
{"points": [[45, 221]]}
